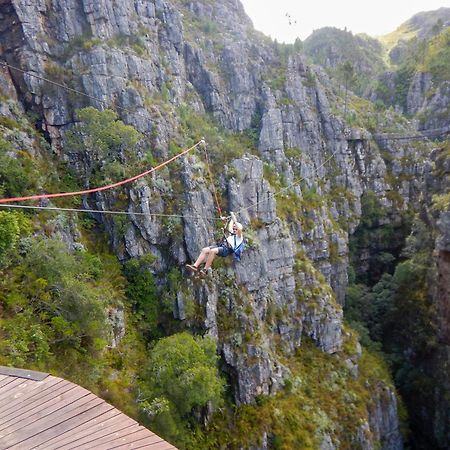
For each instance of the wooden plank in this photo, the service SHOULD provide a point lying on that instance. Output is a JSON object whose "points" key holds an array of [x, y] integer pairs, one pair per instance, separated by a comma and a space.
{"points": [[67, 400], [8, 394], [162, 445], [6, 381], [111, 437], [18, 435], [76, 419], [116, 422], [137, 441], [28, 408], [56, 414], [4, 392], [30, 405], [97, 427], [33, 390], [126, 439], [23, 373]]}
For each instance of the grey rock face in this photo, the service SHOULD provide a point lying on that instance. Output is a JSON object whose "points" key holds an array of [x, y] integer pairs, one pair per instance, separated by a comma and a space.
{"points": [[250, 193], [117, 319], [383, 419], [422, 82], [429, 100], [438, 183]]}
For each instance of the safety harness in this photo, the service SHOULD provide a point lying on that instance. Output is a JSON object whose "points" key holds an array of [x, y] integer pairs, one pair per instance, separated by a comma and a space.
{"points": [[227, 231]]}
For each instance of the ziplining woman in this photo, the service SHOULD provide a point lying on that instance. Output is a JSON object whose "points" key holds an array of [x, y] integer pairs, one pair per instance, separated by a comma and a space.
{"points": [[232, 244]]}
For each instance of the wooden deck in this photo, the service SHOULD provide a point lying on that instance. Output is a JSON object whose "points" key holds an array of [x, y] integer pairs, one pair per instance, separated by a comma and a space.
{"points": [[40, 411]]}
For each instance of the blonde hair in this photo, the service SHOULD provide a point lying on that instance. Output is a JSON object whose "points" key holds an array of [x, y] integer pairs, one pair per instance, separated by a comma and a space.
{"points": [[239, 226]]}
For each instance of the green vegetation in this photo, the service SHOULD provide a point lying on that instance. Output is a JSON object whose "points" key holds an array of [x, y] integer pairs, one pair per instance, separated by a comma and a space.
{"points": [[430, 54], [182, 377], [426, 24], [142, 295], [223, 146], [56, 304], [133, 41], [378, 235], [319, 394], [13, 226], [437, 57], [59, 297], [393, 312], [404, 32], [61, 309], [334, 49], [111, 145], [81, 42], [18, 171]]}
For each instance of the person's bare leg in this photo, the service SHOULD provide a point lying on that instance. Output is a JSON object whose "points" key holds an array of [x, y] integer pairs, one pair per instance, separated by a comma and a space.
{"points": [[202, 257], [211, 255]]}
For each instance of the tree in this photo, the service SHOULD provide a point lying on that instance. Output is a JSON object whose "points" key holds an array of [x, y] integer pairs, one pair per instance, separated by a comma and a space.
{"points": [[103, 142], [346, 72], [12, 226], [182, 379], [183, 370], [18, 172], [142, 294]]}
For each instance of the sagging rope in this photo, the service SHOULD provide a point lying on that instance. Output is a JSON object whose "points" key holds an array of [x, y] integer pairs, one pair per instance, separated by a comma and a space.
{"points": [[4, 64], [219, 209], [130, 213], [426, 134], [102, 188], [63, 86]]}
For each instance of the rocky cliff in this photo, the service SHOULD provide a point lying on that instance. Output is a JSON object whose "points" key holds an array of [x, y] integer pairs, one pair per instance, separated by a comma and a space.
{"points": [[180, 70], [437, 187]]}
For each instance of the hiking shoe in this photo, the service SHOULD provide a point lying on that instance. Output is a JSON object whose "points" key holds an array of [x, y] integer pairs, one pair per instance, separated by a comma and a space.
{"points": [[191, 268], [206, 271]]}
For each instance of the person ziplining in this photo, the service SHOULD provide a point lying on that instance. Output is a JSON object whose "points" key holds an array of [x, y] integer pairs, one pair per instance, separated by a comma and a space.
{"points": [[232, 244]]}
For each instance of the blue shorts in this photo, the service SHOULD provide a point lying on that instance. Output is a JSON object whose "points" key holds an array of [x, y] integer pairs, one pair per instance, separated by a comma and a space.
{"points": [[223, 250]]}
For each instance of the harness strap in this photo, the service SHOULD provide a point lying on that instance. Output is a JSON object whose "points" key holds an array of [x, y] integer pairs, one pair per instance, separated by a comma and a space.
{"points": [[216, 198]]}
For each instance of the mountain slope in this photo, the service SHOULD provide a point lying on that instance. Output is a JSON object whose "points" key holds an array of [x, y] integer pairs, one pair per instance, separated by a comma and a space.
{"points": [[332, 48]]}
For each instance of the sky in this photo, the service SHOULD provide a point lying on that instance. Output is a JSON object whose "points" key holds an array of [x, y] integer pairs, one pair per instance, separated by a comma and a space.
{"points": [[285, 20]]}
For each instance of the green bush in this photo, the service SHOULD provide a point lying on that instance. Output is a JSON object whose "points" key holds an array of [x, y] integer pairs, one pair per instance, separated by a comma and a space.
{"points": [[13, 225], [182, 377], [9, 123], [57, 300], [437, 57], [18, 174], [142, 294], [109, 143]]}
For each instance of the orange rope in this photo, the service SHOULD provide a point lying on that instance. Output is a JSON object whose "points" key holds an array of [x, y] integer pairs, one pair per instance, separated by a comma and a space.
{"points": [[102, 188], [212, 182]]}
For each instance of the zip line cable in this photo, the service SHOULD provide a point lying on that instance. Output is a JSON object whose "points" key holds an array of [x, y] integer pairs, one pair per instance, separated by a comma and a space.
{"points": [[285, 188], [447, 130], [100, 211], [102, 188], [129, 213], [424, 135], [4, 202], [63, 86]]}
